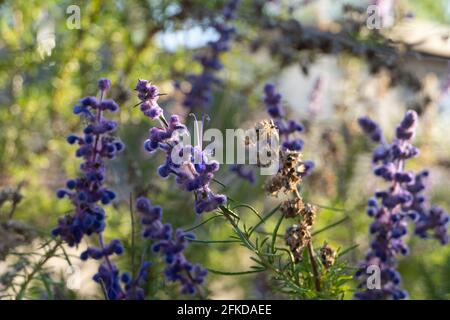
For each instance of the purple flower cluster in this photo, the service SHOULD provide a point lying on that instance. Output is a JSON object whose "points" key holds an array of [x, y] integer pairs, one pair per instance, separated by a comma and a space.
{"points": [[190, 165], [133, 287], [286, 128], [436, 220], [121, 286], [403, 201], [273, 102], [87, 192], [172, 248], [148, 95], [244, 172], [114, 247], [200, 94]]}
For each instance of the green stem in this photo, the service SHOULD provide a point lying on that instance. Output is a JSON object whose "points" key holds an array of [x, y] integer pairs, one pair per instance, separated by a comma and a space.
{"points": [[49, 254], [314, 267], [275, 231], [262, 257], [266, 217], [133, 265]]}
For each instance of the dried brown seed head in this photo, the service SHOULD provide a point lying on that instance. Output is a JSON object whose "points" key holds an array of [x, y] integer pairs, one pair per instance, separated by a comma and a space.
{"points": [[297, 238], [327, 255], [292, 208]]}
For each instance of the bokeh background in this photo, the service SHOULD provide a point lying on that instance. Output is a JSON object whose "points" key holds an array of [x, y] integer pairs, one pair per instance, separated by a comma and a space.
{"points": [[330, 73]]}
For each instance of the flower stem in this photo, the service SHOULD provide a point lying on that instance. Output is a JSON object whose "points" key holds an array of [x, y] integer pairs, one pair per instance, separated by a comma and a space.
{"points": [[49, 254], [312, 258]]}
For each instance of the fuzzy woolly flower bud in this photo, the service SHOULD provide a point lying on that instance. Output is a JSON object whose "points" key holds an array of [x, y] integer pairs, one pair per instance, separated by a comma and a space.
{"points": [[104, 84]]}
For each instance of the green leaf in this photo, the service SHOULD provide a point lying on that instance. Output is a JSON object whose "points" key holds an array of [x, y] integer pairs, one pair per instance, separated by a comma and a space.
{"points": [[213, 241], [202, 223], [264, 241], [243, 205], [230, 212], [244, 239], [265, 218], [330, 226], [348, 250], [257, 261], [227, 273], [275, 231]]}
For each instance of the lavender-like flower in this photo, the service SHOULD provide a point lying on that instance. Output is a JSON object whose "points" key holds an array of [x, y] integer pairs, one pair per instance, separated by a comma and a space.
{"points": [[393, 208], [178, 268], [133, 287], [244, 172], [192, 168], [273, 102], [287, 128], [87, 192], [148, 95], [201, 91]]}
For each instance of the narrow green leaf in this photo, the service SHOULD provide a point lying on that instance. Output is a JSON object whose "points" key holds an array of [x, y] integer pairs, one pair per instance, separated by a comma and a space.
{"points": [[213, 241], [330, 226], [275, 232], [226, 273], [264, 241], [243, 205], [348, 250], [218, 182], [265, 218], [202, 223], [257, 261], [230, 212], [327, 208], [244, 239]]}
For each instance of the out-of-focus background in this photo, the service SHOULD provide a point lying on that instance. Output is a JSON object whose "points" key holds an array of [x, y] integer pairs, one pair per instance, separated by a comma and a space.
{"points": [[328, 79]]}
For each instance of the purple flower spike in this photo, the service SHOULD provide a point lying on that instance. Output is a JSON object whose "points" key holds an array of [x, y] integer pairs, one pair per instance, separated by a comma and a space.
{"points": [[193, 171], [148, 94], [273, 102], [244, 172], [371, 128], [286, 128], [171, 248], [393, 208], [87, 191], [104, 84], [201, 92]]}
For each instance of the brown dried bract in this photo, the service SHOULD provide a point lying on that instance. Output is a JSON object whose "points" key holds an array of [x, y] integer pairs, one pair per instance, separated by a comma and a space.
{"points": [[289, 175], [297, 238], [327, 255], [292, 208], [267, 129], [309, 213]]}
